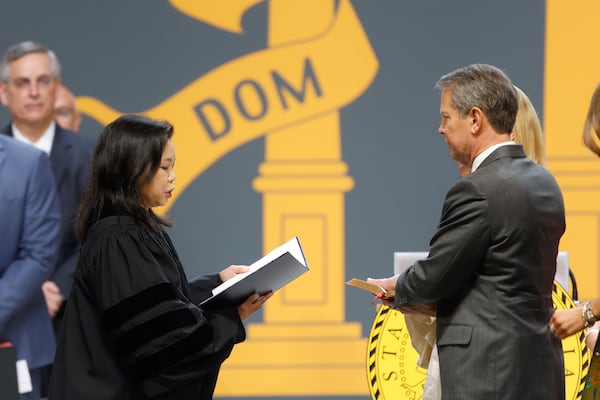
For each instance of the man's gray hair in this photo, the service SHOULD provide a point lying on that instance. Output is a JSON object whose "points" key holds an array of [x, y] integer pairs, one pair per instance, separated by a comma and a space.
{"points": [[486, 87], [21, 49]]}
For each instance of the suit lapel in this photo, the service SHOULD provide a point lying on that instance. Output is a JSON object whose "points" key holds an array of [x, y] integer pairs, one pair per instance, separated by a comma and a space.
{"points": [[60, 154]]}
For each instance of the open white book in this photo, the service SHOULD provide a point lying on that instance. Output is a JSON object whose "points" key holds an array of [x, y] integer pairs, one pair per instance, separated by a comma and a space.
{"points": [[273, 271]]}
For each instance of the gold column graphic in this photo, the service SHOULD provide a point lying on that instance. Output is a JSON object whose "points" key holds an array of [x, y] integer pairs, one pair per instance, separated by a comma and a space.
{"points": [[304, 345], [570, 78]]}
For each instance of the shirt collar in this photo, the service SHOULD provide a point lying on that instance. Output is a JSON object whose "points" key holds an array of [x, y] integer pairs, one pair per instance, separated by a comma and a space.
{"points": [[484, 154], [44, 143]]}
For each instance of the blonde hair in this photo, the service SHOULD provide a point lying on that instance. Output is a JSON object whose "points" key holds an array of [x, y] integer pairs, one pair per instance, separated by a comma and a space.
{"points": [[591, 128], [528, 130]]}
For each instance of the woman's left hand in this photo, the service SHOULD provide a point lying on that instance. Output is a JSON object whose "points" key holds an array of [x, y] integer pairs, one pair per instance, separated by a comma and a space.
{"points": [[232, 271]]}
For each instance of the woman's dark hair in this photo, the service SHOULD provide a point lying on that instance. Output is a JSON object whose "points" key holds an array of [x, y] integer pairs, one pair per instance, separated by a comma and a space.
{"points": [[127, 156]]}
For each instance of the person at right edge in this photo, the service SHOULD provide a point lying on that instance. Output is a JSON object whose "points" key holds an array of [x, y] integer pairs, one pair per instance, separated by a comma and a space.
{"points": [[132, 327], [567, 322], [491, 264]]}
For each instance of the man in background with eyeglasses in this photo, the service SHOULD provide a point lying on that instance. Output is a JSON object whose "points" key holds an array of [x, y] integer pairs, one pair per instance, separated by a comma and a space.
{"points": [[29, 79]]}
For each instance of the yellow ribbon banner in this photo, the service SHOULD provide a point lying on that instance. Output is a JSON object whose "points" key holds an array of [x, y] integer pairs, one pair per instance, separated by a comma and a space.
{"points": [[261, 92]]}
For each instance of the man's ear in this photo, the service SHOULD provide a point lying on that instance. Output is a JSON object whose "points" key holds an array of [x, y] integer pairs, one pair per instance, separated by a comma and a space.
{"points": [[476, 117]]}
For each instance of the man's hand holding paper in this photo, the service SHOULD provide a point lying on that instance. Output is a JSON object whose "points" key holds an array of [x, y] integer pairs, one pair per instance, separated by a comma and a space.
{"points": [[389, 284]]}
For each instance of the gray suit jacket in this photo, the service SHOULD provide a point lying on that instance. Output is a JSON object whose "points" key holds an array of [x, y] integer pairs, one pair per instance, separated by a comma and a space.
{"points": [[71, 157], [490, 269]]}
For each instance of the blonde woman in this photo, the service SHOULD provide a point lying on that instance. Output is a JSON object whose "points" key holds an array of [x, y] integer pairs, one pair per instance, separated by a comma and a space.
{"points": [[528, 130]]}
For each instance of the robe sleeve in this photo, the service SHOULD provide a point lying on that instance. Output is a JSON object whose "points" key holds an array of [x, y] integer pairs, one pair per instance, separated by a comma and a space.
{"points": [[201, 287], [162, 339]]}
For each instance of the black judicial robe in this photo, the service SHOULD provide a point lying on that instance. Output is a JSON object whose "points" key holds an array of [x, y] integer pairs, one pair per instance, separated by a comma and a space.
{"points": [[132, 327]]}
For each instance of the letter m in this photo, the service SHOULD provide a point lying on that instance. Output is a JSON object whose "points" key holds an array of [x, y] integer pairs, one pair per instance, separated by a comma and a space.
{"points": [[283, 86]]}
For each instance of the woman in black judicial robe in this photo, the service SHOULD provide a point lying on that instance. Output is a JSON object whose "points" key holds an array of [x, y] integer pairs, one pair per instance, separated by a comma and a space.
{"points": [[132, 328]]}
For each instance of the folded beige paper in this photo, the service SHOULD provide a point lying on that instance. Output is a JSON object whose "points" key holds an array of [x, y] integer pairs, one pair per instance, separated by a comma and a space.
{"points": [[371, 288]]}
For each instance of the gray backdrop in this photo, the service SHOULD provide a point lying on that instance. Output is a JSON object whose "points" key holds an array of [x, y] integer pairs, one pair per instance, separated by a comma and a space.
{"points": [[133, 54]]}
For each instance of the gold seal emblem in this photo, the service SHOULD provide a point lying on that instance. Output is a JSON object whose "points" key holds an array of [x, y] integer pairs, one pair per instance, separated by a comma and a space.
{"points": [[392, 369]]}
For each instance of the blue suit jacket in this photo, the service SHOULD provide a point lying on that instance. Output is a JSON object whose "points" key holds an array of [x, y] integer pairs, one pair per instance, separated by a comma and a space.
{"points": [[29, 217], [71, 157]]}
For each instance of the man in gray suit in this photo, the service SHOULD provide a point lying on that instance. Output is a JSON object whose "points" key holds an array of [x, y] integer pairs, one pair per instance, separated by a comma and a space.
{"points": [[491, 263]]}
